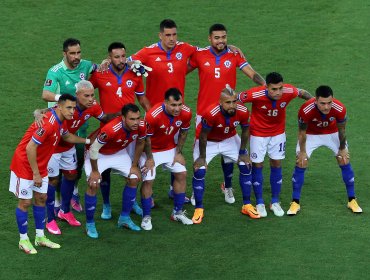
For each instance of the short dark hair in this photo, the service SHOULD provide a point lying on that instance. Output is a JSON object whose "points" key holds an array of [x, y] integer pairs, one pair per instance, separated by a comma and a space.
{"points": [[174, 92], [116, 45], [167, 23], [217, 27], [324, 91], [70, 42], [273, 78], [129, 107], [64, 97]]}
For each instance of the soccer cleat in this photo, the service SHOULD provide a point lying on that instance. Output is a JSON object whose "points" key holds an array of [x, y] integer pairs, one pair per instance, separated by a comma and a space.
{"points": [[53, 228], [293, 209], [125, 221], [44, 242], [171, 196], [353, 205], [180, 216], [250, 210], [91, 230], [276, 208], [26, 246], [69, 217], [198, 215], [107, 212], [75, 203], [137, 209], [261, 210], [229, 196], [222, 187], [192, 199], [56, 210], [146, 223]]}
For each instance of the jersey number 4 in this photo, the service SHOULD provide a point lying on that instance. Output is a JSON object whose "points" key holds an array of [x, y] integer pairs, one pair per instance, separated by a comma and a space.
{"points": [[119, 92]]}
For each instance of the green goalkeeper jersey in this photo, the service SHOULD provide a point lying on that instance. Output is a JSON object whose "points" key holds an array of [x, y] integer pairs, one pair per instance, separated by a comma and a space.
{"points": [[61, 79]]}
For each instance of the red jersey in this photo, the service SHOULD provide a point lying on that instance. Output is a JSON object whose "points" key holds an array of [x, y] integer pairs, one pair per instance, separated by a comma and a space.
{"points": [[215, 71], [78, 119], [115, 90], [221, 125], [268, 116], [115, 137], [317, 122], [169, 68], [162, 127], [46, 137]]}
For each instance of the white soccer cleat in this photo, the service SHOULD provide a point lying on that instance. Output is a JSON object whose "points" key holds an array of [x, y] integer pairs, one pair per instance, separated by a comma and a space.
{"points": [[181, 217], [146, 223], [276, 208], [261, 209], [229, 195]]}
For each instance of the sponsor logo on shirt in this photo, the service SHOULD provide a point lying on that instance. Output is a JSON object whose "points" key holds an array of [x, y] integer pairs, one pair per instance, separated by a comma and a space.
{"points": [[158, 59], [108, 84], [48, 82], [207, 64]]}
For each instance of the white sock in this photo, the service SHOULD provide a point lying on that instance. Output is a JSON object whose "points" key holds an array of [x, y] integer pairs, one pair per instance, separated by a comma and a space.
{"points": [[23, 236], [75, 190], [39, 233]]}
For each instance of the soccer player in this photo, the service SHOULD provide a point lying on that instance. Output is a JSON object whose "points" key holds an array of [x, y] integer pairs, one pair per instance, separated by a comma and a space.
{"points": [[164, 120], [28, 178], [216, 135], [117, 87], [109, 151], [217, 66], [267, 134], [322, 122], [64, 158]]}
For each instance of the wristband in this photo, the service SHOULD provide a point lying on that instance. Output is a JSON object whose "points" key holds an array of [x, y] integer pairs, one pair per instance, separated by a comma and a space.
{"points": [[243, 152], [57, 96], [87, 141]]}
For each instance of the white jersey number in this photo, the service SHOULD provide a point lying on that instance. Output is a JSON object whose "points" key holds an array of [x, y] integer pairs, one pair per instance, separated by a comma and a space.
{"points": [[119, 92], [217, 72], [170, 67], [272, 113]]}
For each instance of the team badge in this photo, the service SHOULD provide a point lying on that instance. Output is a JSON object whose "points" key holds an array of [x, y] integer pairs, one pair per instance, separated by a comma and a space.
{"points": [[283, 104], [87, 117], [102, 137], [40, 131], [227, 63], [82, 76], [178, 123], [48, 82], [134, 136], [24, 192], [236, 123], [253, 155], [179, 56], [331, 119], [50, 170], [129, 83]]}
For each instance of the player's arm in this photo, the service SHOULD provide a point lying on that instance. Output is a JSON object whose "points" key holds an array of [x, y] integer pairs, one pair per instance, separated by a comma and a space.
{"points": [[183, 133], [94, 152], [190, 68], [50, 96], [39, 114], [302, 157], [304, 94], [201, 160], [243, 152], [236, 50], [108, 117], [144, 102], [74, 139], [343, 154], [31, 151], [253, 75], [149, 163], [139, 149]]}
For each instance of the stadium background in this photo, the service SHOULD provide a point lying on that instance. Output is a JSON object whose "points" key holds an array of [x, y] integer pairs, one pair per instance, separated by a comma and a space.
{"points": [[309, 43]]}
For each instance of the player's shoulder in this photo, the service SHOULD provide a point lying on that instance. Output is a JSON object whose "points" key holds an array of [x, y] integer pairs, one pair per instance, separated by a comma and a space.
{"points": [[212, 110], [155, 111], [241, 108], [338, 106], [203, 50], [57, 67], [308, 106], [257, 92], [185, 108], [288, 88]]}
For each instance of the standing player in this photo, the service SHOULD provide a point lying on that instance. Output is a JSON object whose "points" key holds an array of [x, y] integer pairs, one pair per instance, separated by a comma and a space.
{"points": [[216, 135], [28, 176], [217, 66], [322, 122], [267, 134], [117, 87], [109, 150], [64, 158], [164, 120]]}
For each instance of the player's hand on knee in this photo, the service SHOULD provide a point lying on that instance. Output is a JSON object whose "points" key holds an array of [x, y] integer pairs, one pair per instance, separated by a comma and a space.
{"points": [[94, 179], [343, 157], [302, 160], [148, 166], [246, 159], [178, 158], [199, 162], [135, 172]]}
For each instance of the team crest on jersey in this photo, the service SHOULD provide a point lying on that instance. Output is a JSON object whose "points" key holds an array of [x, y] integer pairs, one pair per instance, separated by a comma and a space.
{"points": [[236, 123], [178, 123], [227, 63], [134, 136], [331, 119], [87, 117], [82, 76], [129, 83], [50, 170], [48, 82], [102, 136], [179, 55], [253, 155], [283, 104], [40, 131], [24, 192]]}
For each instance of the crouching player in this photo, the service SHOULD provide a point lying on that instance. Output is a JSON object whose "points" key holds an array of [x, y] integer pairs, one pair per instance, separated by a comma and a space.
{"points": [[109, 151], [216, 135], [322, 122], [29, 175], [164, 120]]}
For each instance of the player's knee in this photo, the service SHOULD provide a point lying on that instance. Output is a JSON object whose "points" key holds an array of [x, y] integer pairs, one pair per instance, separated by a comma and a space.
{"points": [[244, 169], [24, 204], [54, 181], [180, 176], [133, 180], [40, 198], [200, 173]]}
